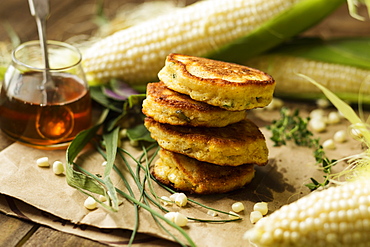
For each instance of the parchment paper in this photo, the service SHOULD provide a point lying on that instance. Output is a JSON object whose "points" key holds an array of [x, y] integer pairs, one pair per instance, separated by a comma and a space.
{"points": [[37, 194]]}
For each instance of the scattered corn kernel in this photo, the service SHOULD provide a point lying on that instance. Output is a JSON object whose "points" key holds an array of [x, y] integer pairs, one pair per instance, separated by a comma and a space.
{"points": [[237, 207], [322, 103], [317, 113], [166, 201], [43, 162], [255, 216], [90, 203], [340, 136], [233, 215], [261, 207], [177, 218], [212, 213], [170, 216], [181, 200], [58, 167], [102, 198], [333, 118], [180, 219], [329, 144], [318, 125], [173, 196]]}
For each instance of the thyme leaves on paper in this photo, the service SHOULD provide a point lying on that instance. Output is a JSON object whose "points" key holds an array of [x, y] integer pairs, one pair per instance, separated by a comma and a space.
{"points": [[292, 127]]}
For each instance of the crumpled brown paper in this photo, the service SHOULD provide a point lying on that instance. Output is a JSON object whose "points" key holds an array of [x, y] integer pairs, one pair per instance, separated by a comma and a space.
{"points": [[35, 193]]}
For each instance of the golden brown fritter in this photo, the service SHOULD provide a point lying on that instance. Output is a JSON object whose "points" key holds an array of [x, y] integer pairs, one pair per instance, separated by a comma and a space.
{"points": [[233, 145], [167, 106], [190, 175], [230, 86]]}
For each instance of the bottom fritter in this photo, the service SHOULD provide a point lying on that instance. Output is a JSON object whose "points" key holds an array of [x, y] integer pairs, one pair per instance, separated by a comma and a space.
{"points": [[190, 175]]}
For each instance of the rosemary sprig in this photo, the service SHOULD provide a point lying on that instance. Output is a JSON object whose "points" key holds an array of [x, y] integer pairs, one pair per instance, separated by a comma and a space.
{"points": [[292, 127]]}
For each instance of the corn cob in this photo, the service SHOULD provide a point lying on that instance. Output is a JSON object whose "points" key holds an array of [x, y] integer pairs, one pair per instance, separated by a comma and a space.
{"points": [[342, 69], [337, 216], [228, 30]]}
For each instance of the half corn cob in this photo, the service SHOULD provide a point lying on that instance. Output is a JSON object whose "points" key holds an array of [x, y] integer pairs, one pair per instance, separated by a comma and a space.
{"points": [[230, 30], [341, 65], [337, 216]]}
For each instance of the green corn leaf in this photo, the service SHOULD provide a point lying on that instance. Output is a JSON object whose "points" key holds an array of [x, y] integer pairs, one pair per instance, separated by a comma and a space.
{"points": [[288, 24], [351, 51]]}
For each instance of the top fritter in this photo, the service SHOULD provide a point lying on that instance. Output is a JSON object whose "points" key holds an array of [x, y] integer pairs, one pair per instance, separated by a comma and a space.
{"points": [[230, 86]]}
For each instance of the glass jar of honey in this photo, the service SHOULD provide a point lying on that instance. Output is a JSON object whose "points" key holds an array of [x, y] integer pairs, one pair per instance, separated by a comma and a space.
{"points": [[45, 114]]}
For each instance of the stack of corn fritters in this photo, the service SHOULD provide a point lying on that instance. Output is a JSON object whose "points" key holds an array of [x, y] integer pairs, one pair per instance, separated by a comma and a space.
{"points": [[197, 114]]}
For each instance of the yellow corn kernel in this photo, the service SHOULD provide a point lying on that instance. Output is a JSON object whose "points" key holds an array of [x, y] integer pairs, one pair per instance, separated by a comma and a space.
{"points": [[261, 207], [58, 167], [329, 144], [90, 203], [43, 162], [255, 216], [340, 136], [237, 207]]}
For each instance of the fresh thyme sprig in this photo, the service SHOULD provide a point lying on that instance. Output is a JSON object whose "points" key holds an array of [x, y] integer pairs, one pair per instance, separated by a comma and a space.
{"points": [[292, 127]]}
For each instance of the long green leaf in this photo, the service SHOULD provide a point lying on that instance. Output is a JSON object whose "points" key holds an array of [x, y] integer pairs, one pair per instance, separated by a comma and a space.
{"points": [[75, 178], [288, 24], [111, 140]]}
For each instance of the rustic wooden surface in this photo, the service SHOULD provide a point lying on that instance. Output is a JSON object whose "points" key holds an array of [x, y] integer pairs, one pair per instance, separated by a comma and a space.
{"points": [[70, 18]]}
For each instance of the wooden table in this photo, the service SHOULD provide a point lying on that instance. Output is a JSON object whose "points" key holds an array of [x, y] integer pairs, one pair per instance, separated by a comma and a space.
{"points": [[70, 18]]}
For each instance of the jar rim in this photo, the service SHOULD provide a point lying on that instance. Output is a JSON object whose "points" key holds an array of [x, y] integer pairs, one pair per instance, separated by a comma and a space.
{"points": [[49, 43]]}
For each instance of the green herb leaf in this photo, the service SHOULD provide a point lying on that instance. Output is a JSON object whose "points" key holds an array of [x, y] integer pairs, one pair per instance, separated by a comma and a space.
{"points": [[292, 127], [139, 133], [98, 95]]}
